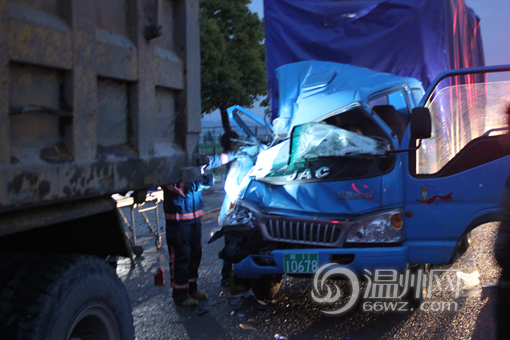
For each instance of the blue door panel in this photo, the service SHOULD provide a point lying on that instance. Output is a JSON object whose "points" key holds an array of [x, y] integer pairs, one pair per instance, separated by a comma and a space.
{"points": [[442, 208]]}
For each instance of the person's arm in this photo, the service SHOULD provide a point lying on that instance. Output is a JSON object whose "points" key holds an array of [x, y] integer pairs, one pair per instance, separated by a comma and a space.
{"points": [[206, 182], [219, 159]]}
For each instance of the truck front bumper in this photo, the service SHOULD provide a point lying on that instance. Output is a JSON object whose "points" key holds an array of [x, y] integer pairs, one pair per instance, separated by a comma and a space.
{"points": [[355, 259]]}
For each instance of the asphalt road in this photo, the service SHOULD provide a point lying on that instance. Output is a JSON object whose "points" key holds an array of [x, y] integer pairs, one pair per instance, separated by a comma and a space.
{"points": [[294, 314]]}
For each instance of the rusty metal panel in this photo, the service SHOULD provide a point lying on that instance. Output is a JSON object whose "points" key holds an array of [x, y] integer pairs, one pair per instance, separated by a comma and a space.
{"points": [[169, 69], [116, 56], [53, 7], [98, 97], [185, 14], [35, 185], [166, 21], [164, 127], [111, 16], [38, 37], [112, 112], [33, 129]]}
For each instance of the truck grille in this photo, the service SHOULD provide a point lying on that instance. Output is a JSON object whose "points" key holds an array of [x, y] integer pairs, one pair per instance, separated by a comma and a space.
{"points": [[304, 231]]}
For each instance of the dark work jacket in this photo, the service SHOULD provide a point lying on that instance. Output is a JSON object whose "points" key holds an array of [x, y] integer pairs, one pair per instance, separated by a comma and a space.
{"points": [[183, 202]]}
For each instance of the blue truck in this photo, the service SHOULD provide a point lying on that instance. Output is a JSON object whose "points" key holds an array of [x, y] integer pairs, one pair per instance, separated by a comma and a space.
{"points": [[366, 169]]}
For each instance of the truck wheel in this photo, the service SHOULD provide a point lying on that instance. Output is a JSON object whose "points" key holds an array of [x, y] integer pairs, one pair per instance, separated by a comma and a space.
{"points": [[464, 245], [10, 264], [266, 287], [66, 297]]}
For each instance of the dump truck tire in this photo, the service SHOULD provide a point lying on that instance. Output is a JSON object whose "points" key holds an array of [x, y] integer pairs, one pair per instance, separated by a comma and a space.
{"points": [[10, 264], [66, 297]]}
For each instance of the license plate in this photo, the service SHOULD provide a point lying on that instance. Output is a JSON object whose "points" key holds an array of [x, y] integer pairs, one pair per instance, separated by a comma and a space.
{"points": [[307, 263]]}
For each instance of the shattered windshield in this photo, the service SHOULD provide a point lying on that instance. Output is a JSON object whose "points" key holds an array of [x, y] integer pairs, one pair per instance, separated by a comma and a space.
{"points": [[317, 140]]}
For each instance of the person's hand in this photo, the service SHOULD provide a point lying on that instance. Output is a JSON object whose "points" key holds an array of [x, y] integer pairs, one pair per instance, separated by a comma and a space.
{"points": [[202, 159]]}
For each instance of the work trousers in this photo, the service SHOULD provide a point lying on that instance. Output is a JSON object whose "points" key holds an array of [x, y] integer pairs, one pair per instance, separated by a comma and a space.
{"points": [[184, 240], [226, 269]]}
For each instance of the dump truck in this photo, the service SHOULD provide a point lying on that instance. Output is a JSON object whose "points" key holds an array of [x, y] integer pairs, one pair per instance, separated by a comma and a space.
{"points": [[96, 98]]}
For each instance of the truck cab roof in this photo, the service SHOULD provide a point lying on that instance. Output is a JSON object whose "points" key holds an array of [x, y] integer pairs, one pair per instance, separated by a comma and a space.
{"points": [[312, 90]]}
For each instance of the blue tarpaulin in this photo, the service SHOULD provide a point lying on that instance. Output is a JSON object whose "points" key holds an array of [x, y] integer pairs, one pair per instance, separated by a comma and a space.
{"points": [[419, 38]]}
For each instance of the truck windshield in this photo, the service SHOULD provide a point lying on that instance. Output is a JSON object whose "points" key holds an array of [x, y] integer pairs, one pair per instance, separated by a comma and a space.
{"points": [[350, 144], [316, 140], [323, 152]]}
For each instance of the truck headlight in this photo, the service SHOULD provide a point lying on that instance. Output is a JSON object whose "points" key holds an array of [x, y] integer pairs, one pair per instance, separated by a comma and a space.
{"points": [[241, 214], [380, 227]]}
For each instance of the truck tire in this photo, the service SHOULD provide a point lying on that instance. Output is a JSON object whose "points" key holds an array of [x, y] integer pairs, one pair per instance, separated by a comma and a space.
{"points": [[66, 297], [266, 287], [10, 264]]}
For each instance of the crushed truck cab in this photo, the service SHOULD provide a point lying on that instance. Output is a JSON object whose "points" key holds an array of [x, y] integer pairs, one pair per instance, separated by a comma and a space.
{"points": [[367, 171]]}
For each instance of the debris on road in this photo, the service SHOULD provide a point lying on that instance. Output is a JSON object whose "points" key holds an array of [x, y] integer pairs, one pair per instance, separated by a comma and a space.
{"points": [[247, 327]]}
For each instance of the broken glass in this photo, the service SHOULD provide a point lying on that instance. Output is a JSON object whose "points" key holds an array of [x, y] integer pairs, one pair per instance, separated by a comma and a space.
{"points": [[315, 140]]}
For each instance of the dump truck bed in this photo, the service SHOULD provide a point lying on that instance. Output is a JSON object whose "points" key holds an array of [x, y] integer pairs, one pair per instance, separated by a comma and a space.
{"points": [[94, 102]]}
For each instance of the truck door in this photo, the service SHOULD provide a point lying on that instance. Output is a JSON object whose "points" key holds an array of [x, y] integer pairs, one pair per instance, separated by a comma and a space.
{"points": [[458, 178], [250, 125]]}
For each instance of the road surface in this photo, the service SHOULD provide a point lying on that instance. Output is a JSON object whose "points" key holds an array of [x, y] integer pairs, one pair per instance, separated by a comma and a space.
{"points": [[294, 314]]}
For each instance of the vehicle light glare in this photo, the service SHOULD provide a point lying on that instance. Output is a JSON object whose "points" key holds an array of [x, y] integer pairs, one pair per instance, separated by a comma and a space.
{"points": [[382, 227]]}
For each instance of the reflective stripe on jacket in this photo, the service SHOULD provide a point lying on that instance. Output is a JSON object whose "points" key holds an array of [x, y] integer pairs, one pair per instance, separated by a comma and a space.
{"points": [[183, 201]]}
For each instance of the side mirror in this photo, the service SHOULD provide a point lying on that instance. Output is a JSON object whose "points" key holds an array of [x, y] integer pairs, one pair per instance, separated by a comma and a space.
{"points": [[421, 123], [421, 128]]}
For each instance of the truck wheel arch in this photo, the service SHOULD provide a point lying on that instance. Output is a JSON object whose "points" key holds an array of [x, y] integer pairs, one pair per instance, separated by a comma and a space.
{"points": [[464, 241]]}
